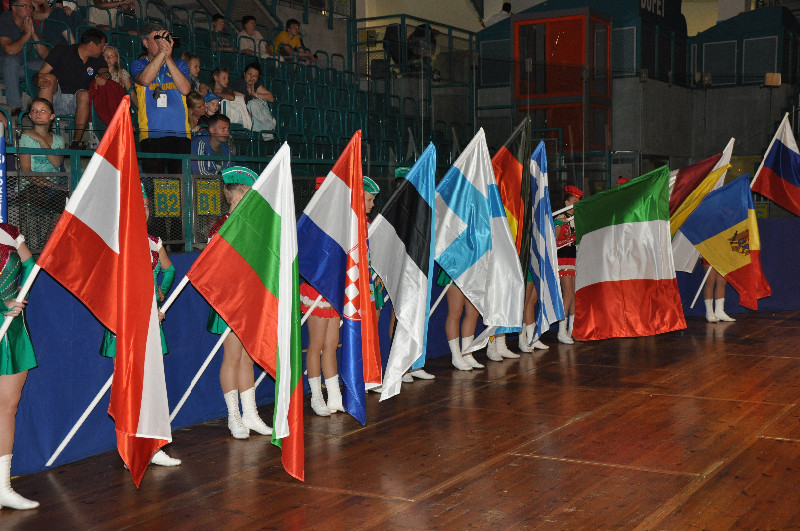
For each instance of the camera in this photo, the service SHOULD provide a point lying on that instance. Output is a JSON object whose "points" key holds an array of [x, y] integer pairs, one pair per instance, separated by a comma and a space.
{"points": [[176, 41]]}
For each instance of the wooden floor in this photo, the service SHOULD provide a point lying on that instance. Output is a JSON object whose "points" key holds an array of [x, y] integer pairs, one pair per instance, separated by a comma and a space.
{"points": [[694, 429]]}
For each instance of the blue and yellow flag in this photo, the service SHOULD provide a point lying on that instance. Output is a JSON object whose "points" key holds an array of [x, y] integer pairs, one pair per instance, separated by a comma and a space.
{"points": [[725, 231]]}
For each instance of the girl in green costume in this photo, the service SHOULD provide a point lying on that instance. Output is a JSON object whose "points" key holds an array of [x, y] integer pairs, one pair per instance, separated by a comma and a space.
{"points": [[16, 355], [161, 264]]}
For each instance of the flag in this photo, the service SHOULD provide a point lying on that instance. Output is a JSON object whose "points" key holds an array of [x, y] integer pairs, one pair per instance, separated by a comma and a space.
{"points": [[401, 251], [474, 244], [778, 177], [249, 274], [333, 259], [99, 251], [513, 181], [725, 231], [625, 281], [3, 179], [543, 259], [688, 186]]}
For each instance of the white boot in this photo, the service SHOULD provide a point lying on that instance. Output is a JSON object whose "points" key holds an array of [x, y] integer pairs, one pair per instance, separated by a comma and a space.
{"points": [[529, 330], [334, 394], [491, 350], [162, 459], [234, 417], [523, 343], [502, 349], [539, 345], [710, 317], [455, 351], [570, 322], [422, 374], [250, 418], [9, 498], [471, 361], [317, 401], [407, 378], [563, 335], [719, 311]]}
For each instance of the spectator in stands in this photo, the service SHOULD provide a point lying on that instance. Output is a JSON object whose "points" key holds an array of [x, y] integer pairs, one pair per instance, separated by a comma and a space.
{"points": [[289, 41], [215, 142], [212, 109], [504, 13], [197, 109], [220, 38], [218, 84], [162, 84], [41, 10], [106, 18], [66, 75], [194, 70], [16, 29], [65, 12], [248, 46], [249, 84], [118, 74], [41, 136]]}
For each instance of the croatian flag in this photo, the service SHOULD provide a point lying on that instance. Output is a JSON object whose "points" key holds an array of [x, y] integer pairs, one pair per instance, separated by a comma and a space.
{"points": [[99, 251], [778, 177], [474, 245], [401, 250], [332, 232], [544, 262]]}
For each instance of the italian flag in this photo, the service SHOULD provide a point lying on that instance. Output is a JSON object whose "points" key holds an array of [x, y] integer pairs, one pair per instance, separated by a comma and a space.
{"points": [[625, 278], [249, 274]]}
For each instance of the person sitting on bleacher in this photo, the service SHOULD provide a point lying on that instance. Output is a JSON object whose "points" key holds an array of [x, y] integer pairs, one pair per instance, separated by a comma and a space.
{"points": [[289, 40], [106, 19], [66, 75], [197, 109], [246, 45], [211, 107], [214, 142], [232, 102], [65, 12], [220, 39], [193, 62], [16, 29]]}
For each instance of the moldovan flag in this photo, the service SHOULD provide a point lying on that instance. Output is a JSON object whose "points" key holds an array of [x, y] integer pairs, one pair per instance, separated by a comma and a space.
{"points": [[625, 280], [401, 252], [512, 173], [99, 251], [543, 262], [333, 259], [725, 231], [474, 244], [778, 177], [249, 274]]}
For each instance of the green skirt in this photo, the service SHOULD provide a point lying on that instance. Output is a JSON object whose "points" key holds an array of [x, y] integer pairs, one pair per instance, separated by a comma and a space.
{"points": [[443, 279], [216, 325], [16, 349], [109, 347]]}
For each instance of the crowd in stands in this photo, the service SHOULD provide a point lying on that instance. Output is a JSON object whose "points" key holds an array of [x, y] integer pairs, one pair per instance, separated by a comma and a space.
{"points": [[66, 63]]}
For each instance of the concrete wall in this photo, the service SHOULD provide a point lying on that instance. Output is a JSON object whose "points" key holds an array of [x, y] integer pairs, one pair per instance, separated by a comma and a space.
{"points": [[685, 125], [316, 34]]}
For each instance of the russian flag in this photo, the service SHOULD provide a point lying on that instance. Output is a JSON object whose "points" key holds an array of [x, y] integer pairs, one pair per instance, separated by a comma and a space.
{"points": [[474, 244], [332, 233], [544, 262], [778, 177], [99, 251]]}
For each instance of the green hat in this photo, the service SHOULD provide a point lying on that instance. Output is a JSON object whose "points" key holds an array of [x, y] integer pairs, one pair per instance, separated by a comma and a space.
{"points": [[144, 192], [401, 172], [371, 186], [239, 175]]}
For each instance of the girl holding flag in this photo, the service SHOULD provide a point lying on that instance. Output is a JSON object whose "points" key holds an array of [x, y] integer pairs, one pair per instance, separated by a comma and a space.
{"points": [[455, 329], [565, 240], [16, 355], [161, 264], [236, 375]]}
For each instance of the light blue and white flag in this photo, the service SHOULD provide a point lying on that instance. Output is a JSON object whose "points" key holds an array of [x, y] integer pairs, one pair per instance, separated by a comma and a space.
{"points": [[543, 264], [474, 244]]}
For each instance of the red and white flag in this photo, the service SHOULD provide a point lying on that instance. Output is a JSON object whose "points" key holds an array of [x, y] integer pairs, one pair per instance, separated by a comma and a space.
{"points": [[99, 251]]}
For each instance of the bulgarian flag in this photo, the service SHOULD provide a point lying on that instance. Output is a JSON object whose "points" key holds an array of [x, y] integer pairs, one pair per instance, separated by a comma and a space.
{"points": [[249, 274], [99, 251], [511, 165], [625, 278]]}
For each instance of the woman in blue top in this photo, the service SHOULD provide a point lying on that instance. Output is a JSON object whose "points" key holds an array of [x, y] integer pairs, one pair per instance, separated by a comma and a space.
{"points": [[40, 190]]}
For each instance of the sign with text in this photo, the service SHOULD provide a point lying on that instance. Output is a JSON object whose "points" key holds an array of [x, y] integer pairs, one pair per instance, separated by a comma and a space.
{"points": [[167, 198], [208, 198]]}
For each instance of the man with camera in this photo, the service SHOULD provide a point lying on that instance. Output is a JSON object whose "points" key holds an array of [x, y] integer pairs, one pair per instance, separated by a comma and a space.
{"points": [[162, 84]]}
